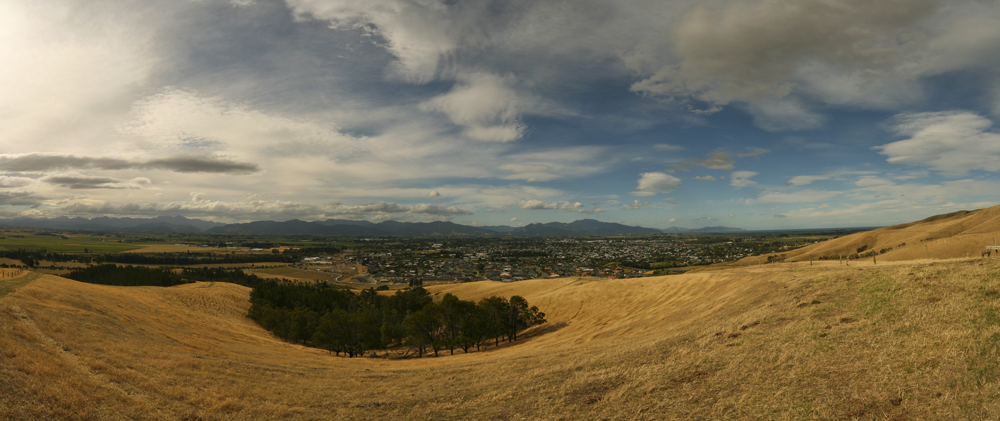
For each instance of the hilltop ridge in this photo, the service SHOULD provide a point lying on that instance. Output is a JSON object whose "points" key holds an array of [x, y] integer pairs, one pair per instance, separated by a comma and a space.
{"points": [[947, 236]]}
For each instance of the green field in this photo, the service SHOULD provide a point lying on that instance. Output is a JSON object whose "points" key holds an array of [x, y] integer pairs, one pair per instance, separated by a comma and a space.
{"points": [[57, 244]]}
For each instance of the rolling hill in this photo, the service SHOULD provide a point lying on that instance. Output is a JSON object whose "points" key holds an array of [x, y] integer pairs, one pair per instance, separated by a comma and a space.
{"points": [[953, 235], [909, 340]]}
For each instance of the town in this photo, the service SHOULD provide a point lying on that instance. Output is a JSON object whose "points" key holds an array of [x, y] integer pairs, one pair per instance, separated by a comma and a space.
{"points": [[415, 261]]}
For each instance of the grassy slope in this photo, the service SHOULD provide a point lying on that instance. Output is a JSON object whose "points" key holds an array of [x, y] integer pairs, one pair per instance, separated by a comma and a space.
{"points": [[823, 343], [955, 235]]}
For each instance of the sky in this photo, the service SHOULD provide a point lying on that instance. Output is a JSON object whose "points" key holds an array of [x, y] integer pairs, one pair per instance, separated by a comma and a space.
{"points": [[759, 114]]}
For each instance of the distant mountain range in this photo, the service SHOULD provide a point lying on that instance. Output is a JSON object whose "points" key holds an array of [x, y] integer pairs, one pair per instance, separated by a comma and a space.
{"points": [[180, 224], [159, 224]]}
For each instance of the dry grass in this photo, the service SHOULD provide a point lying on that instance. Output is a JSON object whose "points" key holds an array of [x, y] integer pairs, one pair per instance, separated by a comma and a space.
{"points": [[12, 280], [294, 274], [955, 235], [913, 341]]}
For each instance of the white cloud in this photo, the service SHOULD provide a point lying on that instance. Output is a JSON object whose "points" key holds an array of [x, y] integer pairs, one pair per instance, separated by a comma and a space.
{"points": [[67, 71], [417, 33], [201, 206], [753, 152], [953, 142], [745, 51], [550, 164], [740, 179], [636, 204], [485, 105], [705, 178], [803, 196], [802, 180], [14, 182], [668, 148], [434, 194], [179, 120], [652, 183], [783, 114], [534, 204], [871, 181], [717, 160]]}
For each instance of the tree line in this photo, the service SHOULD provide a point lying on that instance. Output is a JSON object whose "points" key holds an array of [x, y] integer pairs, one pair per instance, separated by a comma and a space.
{"points": [[127, 276], [341, 321], [344, 322]]}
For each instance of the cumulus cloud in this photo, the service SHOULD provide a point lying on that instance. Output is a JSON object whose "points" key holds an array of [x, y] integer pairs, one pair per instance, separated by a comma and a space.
{"points": [[534, 204], [717, 160], [42, 162], [651, 183], [418, 34], [745, 51], [485, 105], [636, 204], [434, 194], [7, 182], [952, 142], [705, 178], [740, 179], [20, 199]]}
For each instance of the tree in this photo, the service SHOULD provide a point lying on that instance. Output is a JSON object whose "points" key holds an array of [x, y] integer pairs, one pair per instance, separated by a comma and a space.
{"points": [[423, 328], [494, 313]]}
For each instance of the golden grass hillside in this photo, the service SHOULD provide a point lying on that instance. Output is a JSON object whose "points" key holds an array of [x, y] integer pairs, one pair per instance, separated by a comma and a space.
{"points": [[889, 342], [962, 234]]}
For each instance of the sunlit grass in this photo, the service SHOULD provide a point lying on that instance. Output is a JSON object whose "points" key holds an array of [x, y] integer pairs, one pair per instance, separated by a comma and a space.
{"points": [[916, 341]]}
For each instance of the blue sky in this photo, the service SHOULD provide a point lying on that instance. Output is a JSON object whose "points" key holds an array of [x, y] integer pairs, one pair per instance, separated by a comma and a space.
{"points": [[755, 114]]}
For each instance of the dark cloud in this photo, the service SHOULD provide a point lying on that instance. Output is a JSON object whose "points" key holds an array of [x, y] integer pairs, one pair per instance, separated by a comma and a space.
{"points": [[20, 199], [261, 210], [390, 207], [178, 163], [194, 163], [85, 182]]}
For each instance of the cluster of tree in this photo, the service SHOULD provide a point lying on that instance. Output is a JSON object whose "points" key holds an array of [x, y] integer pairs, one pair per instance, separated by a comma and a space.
{"points": [[127, 276], [33, 256], [258, 244], [341, 321], [28, 257], [233, 276]]}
